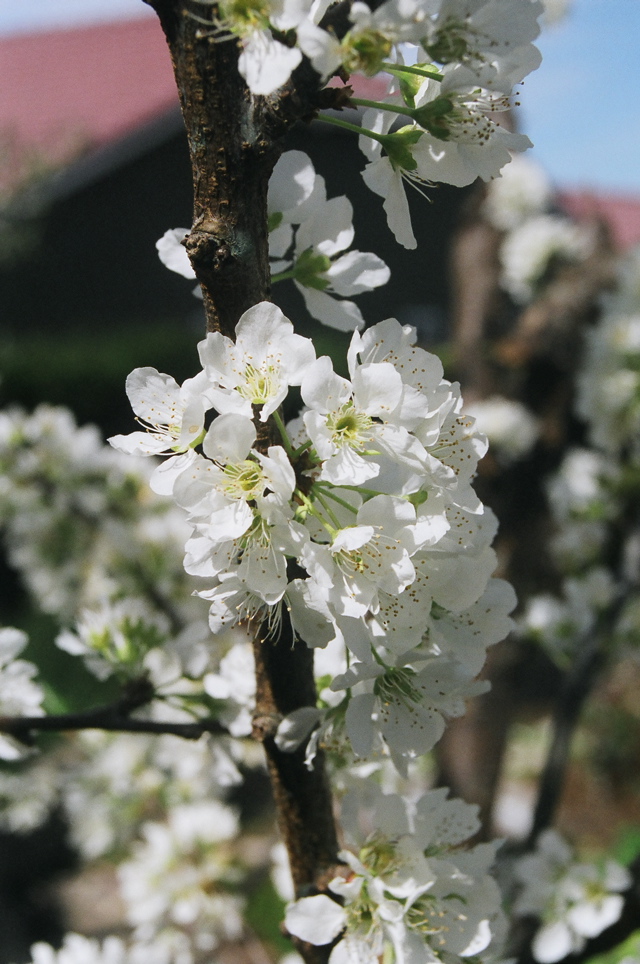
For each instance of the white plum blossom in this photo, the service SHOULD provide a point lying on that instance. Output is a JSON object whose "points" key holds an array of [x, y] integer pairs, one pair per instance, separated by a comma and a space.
{"points": [[234, 483], [523, 190], [373, 554], [321, 271], [266, 62], [574, 901], [528, 251], [355, 425], [317, 264], [508, 425], [77, 949], [404, 706], [316, 253], [462, 141], [19, 694], [408, 888], [378, 36], [174, 419], [478, 35], [454, 140], [260, 366]]}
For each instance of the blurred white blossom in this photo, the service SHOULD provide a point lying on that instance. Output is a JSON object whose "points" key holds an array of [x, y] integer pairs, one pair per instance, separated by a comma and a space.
{"points": [[575, 901]]}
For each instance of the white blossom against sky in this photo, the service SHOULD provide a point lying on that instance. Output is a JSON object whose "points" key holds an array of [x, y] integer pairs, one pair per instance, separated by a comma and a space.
{"points": [[579, 109]]}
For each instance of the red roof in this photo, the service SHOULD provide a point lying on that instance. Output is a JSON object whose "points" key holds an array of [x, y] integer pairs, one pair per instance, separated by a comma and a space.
{"points": [[620, 212], [65, 90]]}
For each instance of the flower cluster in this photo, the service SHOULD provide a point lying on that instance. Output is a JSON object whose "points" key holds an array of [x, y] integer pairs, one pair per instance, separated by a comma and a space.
{"points": [[482, 38], [575, 901], [609, 385], [595, 488], [77, 949], [409, 888], [307, 235], [454, 64], [79, 523], [536, 239], [536, 246], [19, 694], [356, 523], [179, 881], [180, 873], [362, 524]]}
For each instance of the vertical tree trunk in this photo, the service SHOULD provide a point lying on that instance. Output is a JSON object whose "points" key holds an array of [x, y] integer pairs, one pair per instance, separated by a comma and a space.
{"points": [[233, 148], [232, 157]]}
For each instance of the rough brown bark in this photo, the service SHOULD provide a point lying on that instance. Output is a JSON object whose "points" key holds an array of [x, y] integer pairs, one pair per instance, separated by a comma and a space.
{"points": [[233, 143], [232, 157]]}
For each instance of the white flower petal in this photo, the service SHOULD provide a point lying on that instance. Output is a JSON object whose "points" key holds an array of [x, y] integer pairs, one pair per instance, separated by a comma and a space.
{"points": [[317, 920]]}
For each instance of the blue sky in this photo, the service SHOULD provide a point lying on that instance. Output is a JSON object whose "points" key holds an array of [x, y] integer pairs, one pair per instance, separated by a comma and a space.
{"points": [[579, 108]]}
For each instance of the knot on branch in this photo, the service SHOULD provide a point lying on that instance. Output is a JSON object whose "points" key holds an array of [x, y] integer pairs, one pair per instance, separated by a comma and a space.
{"points": [[265, 726], [335, 98], [208, 244]]}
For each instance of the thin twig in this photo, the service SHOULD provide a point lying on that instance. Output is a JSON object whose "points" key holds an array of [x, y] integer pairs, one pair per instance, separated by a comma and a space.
{"points": [[113, 717], [23, 727]]}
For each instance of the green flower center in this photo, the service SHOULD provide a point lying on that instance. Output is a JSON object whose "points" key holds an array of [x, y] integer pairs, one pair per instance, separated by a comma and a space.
{"points": [[244, 16], [245, 479], [352, 562], [397, 686], [260, 384], [423, 915], [450, 43], [348, 426], [379, 855], [365, 51]]}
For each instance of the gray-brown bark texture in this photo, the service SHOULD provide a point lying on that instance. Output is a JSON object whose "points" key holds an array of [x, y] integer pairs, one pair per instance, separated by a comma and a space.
{"points": [[234, 143]]}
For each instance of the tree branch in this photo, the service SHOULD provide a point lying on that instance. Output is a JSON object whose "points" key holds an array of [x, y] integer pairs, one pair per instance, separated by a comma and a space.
{"points": [[576, 688], [233, 140], [22, 727], [113, 717]]}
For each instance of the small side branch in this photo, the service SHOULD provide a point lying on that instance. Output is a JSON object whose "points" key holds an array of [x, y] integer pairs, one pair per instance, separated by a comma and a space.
{"points": [[114, 717]]}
